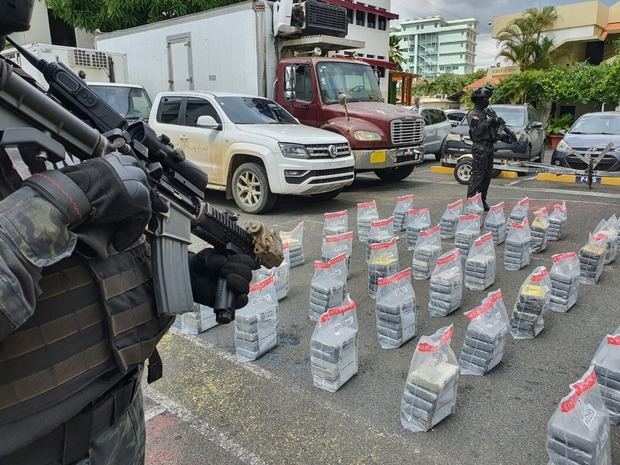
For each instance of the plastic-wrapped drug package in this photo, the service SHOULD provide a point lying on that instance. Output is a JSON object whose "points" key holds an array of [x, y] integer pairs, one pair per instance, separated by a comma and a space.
{"points": [[539, 230], [366, 213], [480, 264], [328, 287], [196, 322], [256, 324], [416, 221], [383, 263], [446, 286], [337, 245], [609, 229], [557, 219], [485, 339], [395, 310], [426, 252], [333, 347], [280, 273], [592, 258], [517, 251], [578, 431], [606, 363], [532, 302], [495, 223], [473, 205], [467, 230], [564, 281], [519, 212], [295, 241], [335, 223], [380, 231], [403, 205], [450, 219], [431, 387]]}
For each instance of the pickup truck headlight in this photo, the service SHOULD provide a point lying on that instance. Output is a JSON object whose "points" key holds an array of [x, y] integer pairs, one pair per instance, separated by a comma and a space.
{"points": [[294, 150], [563, 147], [366, 136]]}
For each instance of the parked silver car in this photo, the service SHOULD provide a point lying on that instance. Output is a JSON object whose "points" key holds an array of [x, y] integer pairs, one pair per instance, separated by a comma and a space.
{"points": [[436, 127]]}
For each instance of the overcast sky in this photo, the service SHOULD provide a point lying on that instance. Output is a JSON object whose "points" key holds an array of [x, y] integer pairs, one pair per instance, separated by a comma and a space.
{"points": [[482, 10]]}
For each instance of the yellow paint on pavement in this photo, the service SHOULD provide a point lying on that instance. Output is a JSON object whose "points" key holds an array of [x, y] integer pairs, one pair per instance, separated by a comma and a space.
{"points": [[442, 170], [550, 177]]}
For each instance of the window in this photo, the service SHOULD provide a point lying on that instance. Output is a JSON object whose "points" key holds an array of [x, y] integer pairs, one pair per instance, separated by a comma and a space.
{"points": [[168, 112], [438, 116], [382, 23], [531, 115], [303, 83], [359, 18], [61, 33], [369, 55], [254, 110], [428, 119], [372, 20], [197, 107], [350, 15], [379, 57]]}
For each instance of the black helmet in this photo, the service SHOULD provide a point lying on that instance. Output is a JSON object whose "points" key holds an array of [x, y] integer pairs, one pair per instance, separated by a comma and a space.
{"points": [[15, 15], [482, 92]]}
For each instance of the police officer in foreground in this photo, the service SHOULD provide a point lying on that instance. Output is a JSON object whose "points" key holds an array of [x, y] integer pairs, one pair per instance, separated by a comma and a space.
{"points": [[484, 132], [75, 332]]}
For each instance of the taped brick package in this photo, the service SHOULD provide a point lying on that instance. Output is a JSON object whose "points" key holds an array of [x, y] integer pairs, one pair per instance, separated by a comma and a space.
{"points": [[417, 221], [473, 205], [532, 302], [427, 251], [564, 281], [295, 241], [196, 322], [328, 287], [383, 263], [495, 223], [333, 347], [519, 212], [539, 230], [485, 339], [395, 310], [403, 205], [337, 245], [578, 431], [467, 230], [256, 324], [366, 214], [606, 363], [517, 251], [431, 387], [450, 219], [592, 258], [335, 223], [480, 265], [557, 219], [280, 273], [446, 286], [381, 231], [609, 228]]}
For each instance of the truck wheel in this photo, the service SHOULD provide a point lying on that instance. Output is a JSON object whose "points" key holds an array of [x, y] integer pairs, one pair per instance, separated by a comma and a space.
{"points": [[394, 174], [495, 173], [327, 195], [250, 189], [462, 171]]}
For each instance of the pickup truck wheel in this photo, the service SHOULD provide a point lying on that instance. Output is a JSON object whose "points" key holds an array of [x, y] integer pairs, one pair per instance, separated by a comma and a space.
{"points": [[394, 174], [250, 189]]}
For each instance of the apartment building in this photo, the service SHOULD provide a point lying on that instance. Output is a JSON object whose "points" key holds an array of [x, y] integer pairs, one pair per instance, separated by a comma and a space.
{"points": [[432, 46]]}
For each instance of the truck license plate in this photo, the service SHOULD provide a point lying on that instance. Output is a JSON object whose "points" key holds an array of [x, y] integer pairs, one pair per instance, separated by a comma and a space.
{"points": [[378, 156]]}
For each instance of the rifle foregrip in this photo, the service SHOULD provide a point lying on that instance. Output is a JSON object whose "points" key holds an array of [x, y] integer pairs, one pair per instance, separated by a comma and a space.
{"points": [[224, 303]]}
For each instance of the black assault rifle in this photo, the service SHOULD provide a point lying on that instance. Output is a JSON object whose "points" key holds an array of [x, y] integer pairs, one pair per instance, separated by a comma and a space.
{"points": [[54, 129], [511, 137]]}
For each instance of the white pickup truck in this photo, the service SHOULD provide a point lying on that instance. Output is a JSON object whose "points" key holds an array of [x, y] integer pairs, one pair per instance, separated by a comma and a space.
{"points": [[252, 148]]}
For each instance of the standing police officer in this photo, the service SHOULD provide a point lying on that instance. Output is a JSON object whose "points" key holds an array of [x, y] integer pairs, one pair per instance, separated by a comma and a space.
{"points": [[75, 332], [483, 131]]}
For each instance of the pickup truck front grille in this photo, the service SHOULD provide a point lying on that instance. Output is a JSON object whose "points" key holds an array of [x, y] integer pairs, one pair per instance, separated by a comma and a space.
{"points": [[407, 131], [325, 151]]}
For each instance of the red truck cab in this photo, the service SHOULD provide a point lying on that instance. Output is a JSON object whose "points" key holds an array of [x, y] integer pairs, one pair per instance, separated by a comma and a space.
{"points": [[342, 95]]}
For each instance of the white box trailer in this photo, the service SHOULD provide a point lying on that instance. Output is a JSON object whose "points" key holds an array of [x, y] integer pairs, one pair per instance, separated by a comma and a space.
{"points": [[98, 66]]}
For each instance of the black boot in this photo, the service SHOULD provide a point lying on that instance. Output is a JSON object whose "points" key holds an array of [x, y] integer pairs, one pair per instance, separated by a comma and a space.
{"points": [[485, 205]]}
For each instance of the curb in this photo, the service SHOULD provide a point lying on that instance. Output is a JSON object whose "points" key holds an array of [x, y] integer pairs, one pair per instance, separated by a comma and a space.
{"points": [[448, 170]]}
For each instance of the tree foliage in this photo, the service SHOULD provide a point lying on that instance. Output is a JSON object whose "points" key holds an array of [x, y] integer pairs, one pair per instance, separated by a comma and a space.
{"points": [[111, 15], [395, 53], [447, 83]]}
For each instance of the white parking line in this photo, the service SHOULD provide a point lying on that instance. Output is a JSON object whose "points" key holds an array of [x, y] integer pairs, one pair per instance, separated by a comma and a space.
{"points": [[153, 412]]}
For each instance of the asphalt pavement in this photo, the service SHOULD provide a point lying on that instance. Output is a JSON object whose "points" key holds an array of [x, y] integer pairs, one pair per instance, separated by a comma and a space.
{"points": [[211, 409]]}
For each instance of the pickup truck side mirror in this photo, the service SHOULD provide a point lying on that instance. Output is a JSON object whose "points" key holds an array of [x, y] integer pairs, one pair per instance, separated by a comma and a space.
{"points": [[537, 125], [208, 122]]}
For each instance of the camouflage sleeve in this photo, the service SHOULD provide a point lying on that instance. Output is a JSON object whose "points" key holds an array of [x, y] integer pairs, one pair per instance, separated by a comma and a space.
{"points": [[33, 235]]}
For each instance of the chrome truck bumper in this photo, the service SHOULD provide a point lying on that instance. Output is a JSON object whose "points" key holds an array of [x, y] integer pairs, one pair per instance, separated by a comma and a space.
{"points": [[368, 160]]}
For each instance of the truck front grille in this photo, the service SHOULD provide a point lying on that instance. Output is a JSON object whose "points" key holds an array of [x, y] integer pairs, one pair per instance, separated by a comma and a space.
{"points": [[318, 151], [407, 131]]}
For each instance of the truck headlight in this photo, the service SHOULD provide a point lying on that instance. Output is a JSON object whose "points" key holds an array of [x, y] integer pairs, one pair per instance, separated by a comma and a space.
{"points": [[294, 150], [563, 147], [366, 135]]}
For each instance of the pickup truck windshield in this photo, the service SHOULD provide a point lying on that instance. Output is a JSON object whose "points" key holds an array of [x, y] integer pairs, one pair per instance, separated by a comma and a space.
{"points": [[252, 110], [131, 102], [356, 80]]}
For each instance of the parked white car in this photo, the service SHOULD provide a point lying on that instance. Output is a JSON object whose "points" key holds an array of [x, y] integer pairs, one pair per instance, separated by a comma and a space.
{"points": [[252, 148]]}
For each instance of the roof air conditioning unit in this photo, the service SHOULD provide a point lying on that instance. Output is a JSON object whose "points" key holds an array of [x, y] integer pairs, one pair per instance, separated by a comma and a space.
{"points": [[311, 17]]}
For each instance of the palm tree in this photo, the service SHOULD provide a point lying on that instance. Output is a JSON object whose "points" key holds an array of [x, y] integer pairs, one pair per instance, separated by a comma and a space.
{"points": [[395, 54], [523, 41]]}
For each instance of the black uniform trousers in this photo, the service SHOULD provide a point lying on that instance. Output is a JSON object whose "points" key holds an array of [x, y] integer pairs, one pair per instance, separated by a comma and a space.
{"points": [[481, 170]]}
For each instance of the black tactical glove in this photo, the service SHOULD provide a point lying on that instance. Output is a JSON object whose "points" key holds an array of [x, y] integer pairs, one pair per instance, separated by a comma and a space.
{"points": [[500, 121], [208, 265]]}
